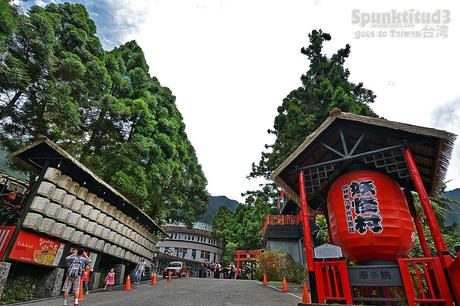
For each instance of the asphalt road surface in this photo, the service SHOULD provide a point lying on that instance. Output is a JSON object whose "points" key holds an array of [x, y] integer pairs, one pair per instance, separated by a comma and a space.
{"points": [[189, 292]]}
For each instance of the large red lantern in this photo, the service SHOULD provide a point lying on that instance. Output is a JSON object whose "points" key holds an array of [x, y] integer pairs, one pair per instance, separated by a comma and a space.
{"points": [[369, 217]]}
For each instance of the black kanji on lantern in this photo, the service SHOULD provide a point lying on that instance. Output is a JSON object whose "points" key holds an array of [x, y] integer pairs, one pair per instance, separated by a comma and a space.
{"points": [[372, 222], [365, 205], [362, 188]]}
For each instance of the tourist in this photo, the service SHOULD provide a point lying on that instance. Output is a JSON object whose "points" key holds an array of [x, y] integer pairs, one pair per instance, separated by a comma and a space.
{"points": [[76, 261], [110, 280], [85, 278], [140, 270], [232, 271]]}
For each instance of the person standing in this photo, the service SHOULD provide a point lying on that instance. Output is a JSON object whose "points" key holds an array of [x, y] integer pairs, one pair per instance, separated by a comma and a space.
{"points": [[232, 271], [140, 269], [85, 278], [76, 261], [110, 279]]}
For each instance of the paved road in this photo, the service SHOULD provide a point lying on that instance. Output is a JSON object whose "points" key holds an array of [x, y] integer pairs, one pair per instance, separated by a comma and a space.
{"points": [[190, 292]]}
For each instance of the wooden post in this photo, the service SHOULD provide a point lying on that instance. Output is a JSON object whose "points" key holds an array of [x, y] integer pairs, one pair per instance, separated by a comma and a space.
{"points": [[433, 225]]}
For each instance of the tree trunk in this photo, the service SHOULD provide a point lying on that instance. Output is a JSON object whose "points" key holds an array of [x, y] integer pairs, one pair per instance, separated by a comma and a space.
{"points": [[97, 127], [10, 105]]}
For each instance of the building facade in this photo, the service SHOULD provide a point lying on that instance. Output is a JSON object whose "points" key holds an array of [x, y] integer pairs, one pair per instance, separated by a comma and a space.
{"points": [[196, 243]]}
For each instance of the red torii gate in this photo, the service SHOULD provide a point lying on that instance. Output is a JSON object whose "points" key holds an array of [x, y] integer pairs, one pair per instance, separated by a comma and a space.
{"points": [[246, 255]]}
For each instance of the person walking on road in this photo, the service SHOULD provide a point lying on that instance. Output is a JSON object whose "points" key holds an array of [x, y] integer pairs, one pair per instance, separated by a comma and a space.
{"points": [[140, 269], [76, 261], [110, 280]]}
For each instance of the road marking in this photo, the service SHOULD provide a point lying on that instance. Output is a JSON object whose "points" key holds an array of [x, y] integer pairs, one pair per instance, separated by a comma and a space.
{"points": [[276, 288]]}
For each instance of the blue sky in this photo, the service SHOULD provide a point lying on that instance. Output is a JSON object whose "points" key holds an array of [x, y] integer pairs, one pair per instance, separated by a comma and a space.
{"points": [[231, 62]]}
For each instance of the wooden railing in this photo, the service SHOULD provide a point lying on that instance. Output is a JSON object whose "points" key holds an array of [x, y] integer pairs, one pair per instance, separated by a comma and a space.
{"points": [[281, 220]]}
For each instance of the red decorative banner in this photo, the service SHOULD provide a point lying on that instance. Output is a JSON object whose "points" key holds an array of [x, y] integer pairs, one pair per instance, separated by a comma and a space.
{"points": [[6, 232], [36, 249]]}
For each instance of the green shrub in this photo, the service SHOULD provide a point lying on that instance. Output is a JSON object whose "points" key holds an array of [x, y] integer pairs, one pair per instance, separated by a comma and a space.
{"points": [[20, 288], [277, 264]]}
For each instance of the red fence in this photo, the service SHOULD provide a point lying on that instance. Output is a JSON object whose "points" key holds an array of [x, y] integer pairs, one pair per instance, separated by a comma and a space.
{"points": [[424, 281], [281, 220]]}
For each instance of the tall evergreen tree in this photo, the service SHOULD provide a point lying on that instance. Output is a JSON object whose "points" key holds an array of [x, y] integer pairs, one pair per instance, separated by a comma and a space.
{"points": [[324, 86], [103, 107]]}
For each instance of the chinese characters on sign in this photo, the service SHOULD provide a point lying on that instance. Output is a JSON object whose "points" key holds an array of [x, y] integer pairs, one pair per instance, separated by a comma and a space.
{"points": [[362, 207]]}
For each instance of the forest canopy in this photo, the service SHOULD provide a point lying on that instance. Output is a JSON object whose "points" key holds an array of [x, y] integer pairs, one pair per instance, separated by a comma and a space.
{"points": [[103, 107]]}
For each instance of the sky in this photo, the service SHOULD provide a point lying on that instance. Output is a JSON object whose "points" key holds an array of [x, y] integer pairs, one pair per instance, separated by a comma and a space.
{"points": [[230, 63]]}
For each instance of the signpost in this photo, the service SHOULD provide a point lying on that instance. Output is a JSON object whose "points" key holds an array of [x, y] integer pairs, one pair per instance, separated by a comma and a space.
{"points": [[327, 251]]}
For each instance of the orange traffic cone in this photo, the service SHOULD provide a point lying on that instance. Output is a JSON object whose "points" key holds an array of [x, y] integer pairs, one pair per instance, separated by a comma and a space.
{"points": [[81, 295], [306, 295], [284, 286], [128, 284], [265, 280], [154, 279], [169, 276]]}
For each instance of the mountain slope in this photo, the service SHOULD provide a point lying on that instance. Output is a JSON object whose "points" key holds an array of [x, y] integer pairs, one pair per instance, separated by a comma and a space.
{"points": [[453, 217], [214, 203]]}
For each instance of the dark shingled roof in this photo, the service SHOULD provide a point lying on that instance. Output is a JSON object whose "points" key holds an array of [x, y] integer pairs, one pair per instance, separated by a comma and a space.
{"points": [[37, 154], [430, 147]]}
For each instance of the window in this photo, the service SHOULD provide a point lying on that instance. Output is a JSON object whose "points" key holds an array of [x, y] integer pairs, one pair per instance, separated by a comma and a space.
{"points": [[193, 254], [202, 254]]}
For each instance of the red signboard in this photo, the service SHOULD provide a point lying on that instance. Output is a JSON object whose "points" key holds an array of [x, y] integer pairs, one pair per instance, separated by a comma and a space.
{"points": [[5, 236], [36, 249]]}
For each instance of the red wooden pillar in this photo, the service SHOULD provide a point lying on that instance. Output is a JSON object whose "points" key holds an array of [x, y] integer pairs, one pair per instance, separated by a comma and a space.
{"points": [[306, 224], [237, 264], [418, 224], [433, 225]]}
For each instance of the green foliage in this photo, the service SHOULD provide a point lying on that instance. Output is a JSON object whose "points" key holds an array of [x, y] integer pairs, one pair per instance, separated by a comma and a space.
{"points": [[243, 228], [320, 233], [103, 107], [277, 264], [324, 86], [20, 288]]}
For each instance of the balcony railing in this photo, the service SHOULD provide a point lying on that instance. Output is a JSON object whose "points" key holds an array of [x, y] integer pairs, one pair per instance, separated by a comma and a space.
{"points": [[281, 220]]}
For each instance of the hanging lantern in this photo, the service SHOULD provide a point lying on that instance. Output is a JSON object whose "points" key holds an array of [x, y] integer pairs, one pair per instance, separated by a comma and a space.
{"points": [[369, 217]]}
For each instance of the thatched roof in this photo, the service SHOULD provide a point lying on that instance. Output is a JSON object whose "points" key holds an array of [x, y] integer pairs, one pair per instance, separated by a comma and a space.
{"points": [[430, 147], [43, 151]]}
